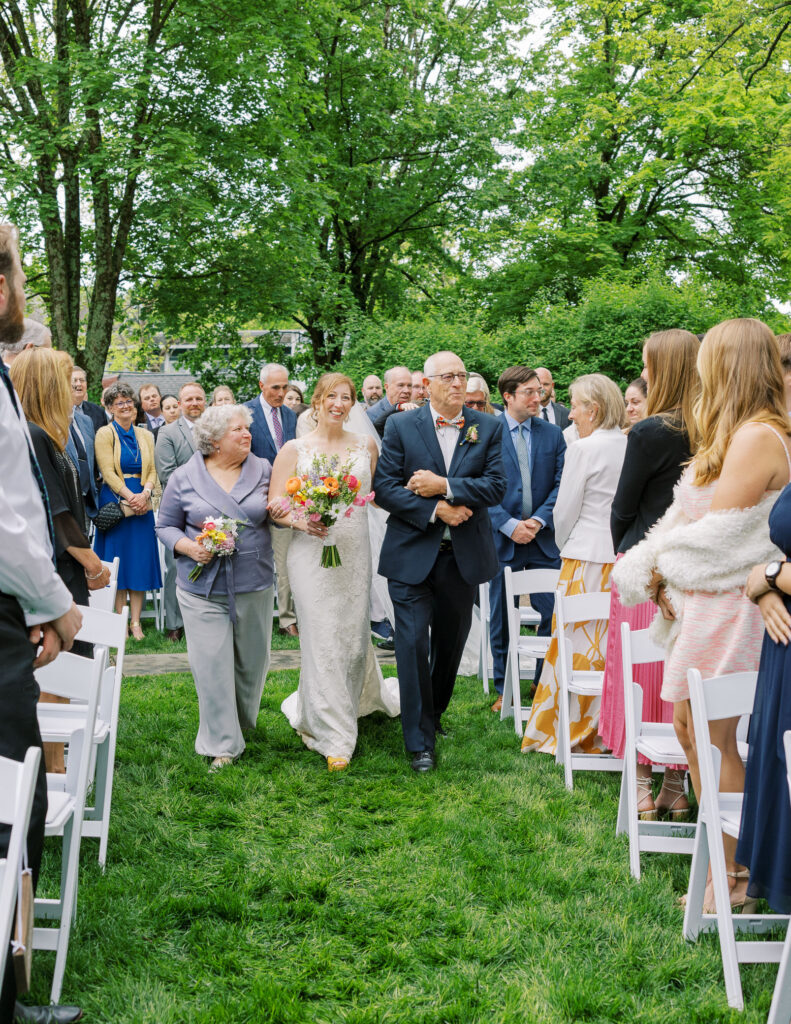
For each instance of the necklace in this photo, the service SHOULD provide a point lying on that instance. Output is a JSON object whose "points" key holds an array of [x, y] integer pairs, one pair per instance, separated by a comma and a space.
{"points": [[133, 449]]}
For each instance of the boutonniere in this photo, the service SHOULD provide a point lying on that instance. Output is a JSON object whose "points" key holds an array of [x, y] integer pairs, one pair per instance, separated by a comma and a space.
{"points": [[471, 437]]}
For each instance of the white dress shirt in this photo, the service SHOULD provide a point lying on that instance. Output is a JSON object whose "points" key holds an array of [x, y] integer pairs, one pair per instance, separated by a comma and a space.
{"points": [[27, 571], [268, 413], [550, 410], [448, 439], [590, 477]]}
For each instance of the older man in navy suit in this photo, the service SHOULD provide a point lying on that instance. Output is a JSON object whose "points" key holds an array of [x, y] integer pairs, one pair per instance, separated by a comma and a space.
{"points": [[533, 453], [440, 469], [274, 424]]}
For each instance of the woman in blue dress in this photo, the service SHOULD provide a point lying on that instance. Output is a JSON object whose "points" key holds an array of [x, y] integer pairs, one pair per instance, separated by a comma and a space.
{"points": [[765, 838], [125, 457]]}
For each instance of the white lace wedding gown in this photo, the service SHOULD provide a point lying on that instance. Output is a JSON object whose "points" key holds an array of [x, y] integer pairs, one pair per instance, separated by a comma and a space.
{"points": [[340, 679]]}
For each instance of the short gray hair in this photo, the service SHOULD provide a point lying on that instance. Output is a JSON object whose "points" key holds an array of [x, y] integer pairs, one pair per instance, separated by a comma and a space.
{"points": [[394, 369], [34, 334], [214, 423], [117, 390], [268, 368], [597, 389]]}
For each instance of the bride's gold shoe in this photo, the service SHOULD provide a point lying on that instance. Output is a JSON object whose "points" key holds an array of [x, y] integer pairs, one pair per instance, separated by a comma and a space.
{"points": [[337, 764]]}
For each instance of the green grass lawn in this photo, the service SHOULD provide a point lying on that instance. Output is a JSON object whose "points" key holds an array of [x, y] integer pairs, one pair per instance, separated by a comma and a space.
{"points": [[277, 892]]}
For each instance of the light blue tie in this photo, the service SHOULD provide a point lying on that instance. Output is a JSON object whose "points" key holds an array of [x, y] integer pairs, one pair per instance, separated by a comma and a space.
{"points": [[524, 469]]}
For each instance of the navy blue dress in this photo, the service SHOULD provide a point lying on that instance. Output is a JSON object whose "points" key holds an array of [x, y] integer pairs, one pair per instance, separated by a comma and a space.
{"points": [[133, 539], [765, 839]]}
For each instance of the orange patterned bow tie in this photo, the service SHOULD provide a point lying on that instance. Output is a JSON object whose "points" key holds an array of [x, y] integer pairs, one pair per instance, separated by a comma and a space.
{"points": [[458, 423]]}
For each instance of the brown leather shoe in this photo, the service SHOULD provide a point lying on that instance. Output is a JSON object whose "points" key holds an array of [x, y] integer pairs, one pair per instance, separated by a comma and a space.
{"points": [[498, 704], [174, 635], [290, 630]]}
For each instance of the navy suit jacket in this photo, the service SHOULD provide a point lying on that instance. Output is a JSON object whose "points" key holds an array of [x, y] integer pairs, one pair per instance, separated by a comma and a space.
{"points": [[548, 449], [95, 414], [476, 478], [379, 413], [263, 444], [86, 428]]}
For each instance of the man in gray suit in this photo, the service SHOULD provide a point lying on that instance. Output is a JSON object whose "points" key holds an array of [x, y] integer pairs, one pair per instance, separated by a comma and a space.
{"points": [[174, 447]]}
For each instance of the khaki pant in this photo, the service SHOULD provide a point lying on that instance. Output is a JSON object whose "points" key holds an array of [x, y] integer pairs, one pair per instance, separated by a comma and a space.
{"points": [[281, 538]]}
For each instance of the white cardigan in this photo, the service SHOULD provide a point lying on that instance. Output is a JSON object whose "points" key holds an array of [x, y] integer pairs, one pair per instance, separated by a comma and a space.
{"points": [[590, 477]]}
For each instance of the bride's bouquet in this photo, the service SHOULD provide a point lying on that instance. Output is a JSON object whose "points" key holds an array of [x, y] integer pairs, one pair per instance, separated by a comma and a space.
{"points": [[326, 492], [218, 537]]}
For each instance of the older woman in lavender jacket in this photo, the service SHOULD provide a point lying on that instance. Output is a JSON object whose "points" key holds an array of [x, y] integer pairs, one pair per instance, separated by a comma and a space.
{"points": [[227, 610]]}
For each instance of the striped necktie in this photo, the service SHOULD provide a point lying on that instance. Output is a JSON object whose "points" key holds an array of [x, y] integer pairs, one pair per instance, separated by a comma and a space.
{"points": [[34, 466], [278, 427], [524, 468]]}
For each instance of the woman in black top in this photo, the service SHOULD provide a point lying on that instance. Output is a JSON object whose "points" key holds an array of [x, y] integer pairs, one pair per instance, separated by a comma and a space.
{"points": [[656, 450]]}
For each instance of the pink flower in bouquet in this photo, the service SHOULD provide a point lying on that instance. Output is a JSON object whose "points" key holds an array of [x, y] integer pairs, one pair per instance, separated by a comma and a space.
{"points": [[351, 482], [347, 513], [359, 501], [315, 517]]}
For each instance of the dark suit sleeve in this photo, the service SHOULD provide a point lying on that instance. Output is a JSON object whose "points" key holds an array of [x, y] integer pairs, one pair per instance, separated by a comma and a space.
{"points": [[639, 465], [546, 509], [379, 414], [390, 479], [489, 488]]}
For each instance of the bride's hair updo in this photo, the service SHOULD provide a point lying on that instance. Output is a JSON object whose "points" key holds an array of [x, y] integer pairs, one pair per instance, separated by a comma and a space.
{"points": [[326, 383]]}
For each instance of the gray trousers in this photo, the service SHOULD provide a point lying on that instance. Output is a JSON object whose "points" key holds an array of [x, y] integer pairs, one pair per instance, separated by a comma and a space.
{"points": [[173, 619], [281, 538], [229, 665]]}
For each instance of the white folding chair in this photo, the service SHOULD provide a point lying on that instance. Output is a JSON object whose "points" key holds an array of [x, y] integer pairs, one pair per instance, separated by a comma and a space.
{"points": [[572, 611], [714, 699], [106, 629], [105, 598], [658, 742], [17, 785], [780, 1010], [525, 581], [482, 611], [78, 679]]}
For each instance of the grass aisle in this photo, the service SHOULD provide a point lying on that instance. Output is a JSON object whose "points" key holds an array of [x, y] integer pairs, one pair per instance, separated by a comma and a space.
{"points": [[274, 891]]}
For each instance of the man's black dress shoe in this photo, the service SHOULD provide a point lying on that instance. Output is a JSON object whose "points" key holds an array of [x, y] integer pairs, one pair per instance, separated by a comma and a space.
{"points": [[386, 645], [46, 1014], [424, 761]]}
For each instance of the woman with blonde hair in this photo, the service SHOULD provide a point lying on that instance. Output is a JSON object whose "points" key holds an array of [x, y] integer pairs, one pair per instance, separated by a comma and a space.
{"points": [[695, 561], [340, 679], [657, 449], [582, 532], [478, 395]]}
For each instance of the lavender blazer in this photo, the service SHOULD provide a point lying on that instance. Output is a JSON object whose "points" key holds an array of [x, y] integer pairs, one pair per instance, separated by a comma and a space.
{"points": [[190, 497]]}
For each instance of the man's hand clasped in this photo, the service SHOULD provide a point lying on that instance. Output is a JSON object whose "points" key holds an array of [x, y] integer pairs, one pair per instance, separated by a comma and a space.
{"points": [[427, 484], [525, 531]]}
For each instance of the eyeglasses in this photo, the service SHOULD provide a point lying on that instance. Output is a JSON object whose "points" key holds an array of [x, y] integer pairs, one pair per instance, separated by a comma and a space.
{"points": [[448, 378], [531, 392], [123, 403], [472, 404]]}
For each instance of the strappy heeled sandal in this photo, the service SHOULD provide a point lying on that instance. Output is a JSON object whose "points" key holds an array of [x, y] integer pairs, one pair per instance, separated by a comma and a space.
{"points": [[747, 904], [675, 787], [644, 791], [137, 628]]}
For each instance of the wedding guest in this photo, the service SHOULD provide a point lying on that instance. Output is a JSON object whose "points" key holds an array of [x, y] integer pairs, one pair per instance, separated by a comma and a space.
{"points": [[273, 425], [294, 400], [478, 396], [38, 617], [175, 447], [657, 449], [222, 395], [418, 388], [397, 398], [551, 410], [533, 452], [371, 389], [79, 387], [34, 335], [125, 456], [582, 532], [765, 836], [784, 341], [635, 398], [151, 404], [694, 562], [171, 409], [228, 609], [80, 448]]}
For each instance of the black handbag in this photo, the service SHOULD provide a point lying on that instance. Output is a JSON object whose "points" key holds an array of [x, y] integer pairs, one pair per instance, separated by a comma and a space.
{"points": [[108, 516]]}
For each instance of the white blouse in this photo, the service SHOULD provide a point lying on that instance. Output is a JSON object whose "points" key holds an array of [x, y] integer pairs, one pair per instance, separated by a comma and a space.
{"points": [[590, 477]]}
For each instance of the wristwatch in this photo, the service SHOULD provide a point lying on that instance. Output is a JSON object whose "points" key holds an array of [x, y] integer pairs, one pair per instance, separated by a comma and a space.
{"points": [[771, 572]]}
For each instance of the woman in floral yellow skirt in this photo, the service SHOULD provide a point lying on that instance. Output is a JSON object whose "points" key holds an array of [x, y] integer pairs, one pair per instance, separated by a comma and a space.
{"points": [[582, 530]]}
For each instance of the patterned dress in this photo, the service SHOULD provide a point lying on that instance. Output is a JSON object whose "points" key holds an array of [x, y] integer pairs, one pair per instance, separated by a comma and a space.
{"points": [[589, 643]]}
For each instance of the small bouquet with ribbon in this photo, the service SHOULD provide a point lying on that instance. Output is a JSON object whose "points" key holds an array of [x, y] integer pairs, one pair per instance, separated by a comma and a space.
{"points": [[326, 492], [218, 537]]}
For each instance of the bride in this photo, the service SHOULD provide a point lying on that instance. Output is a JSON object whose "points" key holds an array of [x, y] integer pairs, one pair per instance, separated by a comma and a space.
{"points": [[340, 679]]}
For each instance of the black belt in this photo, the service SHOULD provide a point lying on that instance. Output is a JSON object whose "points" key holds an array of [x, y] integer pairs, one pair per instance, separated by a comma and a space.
{"points": [[446, 545]]}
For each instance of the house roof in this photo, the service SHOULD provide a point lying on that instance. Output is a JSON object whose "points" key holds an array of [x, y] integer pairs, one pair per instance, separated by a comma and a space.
{"points": [[168, 383]]}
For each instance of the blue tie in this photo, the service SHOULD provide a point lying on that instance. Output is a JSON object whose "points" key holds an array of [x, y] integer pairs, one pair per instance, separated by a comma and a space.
{"points": [[34, 466], [524, 468]]}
